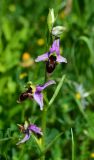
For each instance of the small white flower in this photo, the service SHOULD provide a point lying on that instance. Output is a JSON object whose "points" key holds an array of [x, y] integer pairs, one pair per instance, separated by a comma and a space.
{"points": [[81, 94]]}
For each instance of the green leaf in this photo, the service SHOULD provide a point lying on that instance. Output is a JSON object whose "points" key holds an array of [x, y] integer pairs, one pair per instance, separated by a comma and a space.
{"points": [[57, 90]]}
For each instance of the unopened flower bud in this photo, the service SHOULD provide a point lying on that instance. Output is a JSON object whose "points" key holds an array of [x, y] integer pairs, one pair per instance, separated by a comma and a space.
{"points": [[50, 19], [58, 30]]}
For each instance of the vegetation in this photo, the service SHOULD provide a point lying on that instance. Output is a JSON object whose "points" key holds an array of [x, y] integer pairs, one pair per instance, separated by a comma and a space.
{"points": [[69, 128]]}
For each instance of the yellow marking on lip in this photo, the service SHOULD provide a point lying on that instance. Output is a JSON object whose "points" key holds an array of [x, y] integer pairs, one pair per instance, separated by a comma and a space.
{"points": [[53, 54], [30, 84], [25, 125]]}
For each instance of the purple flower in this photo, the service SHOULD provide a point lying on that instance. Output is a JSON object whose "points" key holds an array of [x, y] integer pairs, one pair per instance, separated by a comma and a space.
{"points": [[27, 129], [35, 92], [52, 57]]}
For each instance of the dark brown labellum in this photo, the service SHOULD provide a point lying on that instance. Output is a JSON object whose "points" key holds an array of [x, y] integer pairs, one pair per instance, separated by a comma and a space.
{"points": [[26, 131], [25, 95], [51, 64]]}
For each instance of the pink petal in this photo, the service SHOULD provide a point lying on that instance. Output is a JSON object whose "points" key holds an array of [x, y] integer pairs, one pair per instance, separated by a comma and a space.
{"points": [[27, 136], [61, 59], [41, 87], [43, 57], [55, 47], [35, 129], [39, 99]]}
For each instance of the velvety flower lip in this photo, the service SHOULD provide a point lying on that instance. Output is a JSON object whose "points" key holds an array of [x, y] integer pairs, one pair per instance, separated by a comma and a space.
{"points": [[25, 95], [27, 130], [55, 49], [35, 93]]}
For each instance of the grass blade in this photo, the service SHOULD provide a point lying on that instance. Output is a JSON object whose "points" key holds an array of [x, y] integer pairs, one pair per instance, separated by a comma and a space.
{"points": [[72, 138], [56, 91]]}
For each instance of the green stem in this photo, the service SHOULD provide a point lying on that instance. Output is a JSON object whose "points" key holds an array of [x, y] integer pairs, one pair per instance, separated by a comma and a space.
{"points": [[36, 142], [72, 144], [45, 75], [44, 113], [43, 129]]}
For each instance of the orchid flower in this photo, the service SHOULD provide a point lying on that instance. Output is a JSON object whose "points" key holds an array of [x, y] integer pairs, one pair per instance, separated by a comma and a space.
{"points": [[52, 57], [27, 129], [35, 92]]}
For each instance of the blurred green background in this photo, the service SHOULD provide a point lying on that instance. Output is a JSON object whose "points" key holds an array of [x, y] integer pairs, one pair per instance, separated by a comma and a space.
{"points": [[23, 26]]}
